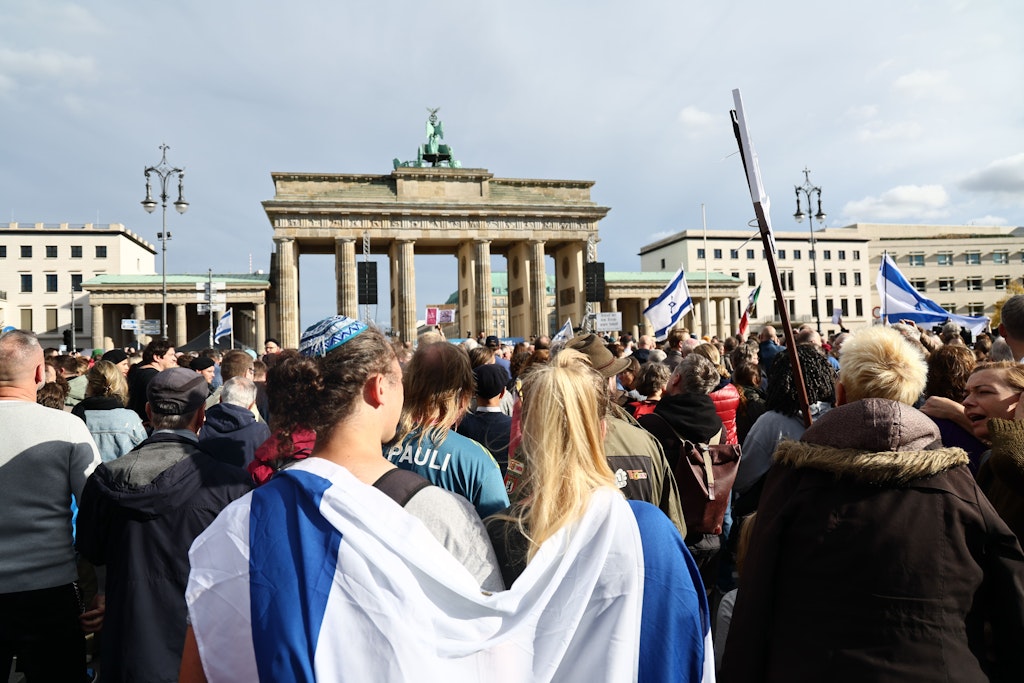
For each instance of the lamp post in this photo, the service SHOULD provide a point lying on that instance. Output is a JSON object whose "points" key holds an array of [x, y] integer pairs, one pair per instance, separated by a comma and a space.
{"points": [[164, 171], [809, 190]]}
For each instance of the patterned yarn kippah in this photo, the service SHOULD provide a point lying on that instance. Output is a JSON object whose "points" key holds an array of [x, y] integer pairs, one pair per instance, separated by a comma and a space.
{"points": [[328, 334]]}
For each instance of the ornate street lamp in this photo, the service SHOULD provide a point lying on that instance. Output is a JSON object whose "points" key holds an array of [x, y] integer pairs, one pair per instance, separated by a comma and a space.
{"points": [[164, 171], [809, 190]]}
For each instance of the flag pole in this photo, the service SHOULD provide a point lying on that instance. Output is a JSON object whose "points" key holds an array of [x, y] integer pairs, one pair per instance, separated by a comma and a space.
{"points": [[705, 311], [768, 241], [885, 291]]}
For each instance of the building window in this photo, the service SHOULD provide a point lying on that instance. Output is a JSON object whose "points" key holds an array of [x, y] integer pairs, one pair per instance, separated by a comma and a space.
{"points": [[842, 254], [812, 254], [844, 304], [1001, 281], [842, 279], [3, 251], [858, 306], [718, 253], [796, 254], [701, 253], [26, 251], [974, 284], [751, 279], [792, 308], [828, 279], [51, 319], [856, 255], [915, 260], [814, 307], [918, 284], [26, 318], [26, 282], [814, 279], [782, 254], [949, 307], [734, 253], [663, 264], [76, 282], [51, 252], [829, 306], [786, 280], [750, 254], [827, 254], [101, 251], [1001, 257], [76, 252], [946, 284], [735, 275], [51, 284], [945, 258], [79, 318], [856, 278], [972, 258], [975, 309]]}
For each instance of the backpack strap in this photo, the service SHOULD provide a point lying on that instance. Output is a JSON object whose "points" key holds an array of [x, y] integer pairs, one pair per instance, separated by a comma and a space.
{"points": [[401, 485]]}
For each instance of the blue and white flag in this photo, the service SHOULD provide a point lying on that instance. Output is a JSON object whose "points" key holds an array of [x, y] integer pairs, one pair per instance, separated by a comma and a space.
{"points": [[224, 327], [316, 576], [672, 305], [900, 301], [564, 334]]}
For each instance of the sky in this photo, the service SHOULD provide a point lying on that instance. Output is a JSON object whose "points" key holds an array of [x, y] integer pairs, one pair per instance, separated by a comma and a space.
{"points": [[904, 112]]}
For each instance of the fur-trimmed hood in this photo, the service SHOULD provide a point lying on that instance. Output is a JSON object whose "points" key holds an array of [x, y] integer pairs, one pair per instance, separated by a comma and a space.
{"points": [[875, 441]]}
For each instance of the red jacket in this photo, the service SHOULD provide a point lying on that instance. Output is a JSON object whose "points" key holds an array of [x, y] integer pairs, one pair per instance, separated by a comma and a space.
{"points": [[727, 401]]}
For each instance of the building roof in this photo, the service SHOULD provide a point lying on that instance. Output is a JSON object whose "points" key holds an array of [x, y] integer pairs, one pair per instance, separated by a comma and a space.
{"points": [[104, 229], [229, 278]]}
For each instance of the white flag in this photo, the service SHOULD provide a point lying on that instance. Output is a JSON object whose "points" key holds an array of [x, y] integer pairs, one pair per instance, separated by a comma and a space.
{"points": [[758, 194], [668, 308], [224, 327], [317, 576]]}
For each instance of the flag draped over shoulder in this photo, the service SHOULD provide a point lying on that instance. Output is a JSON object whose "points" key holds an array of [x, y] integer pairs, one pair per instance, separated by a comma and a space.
{"points": [[224, 325], [900, 301], [670, 306], [749, 311], [316, 576]]}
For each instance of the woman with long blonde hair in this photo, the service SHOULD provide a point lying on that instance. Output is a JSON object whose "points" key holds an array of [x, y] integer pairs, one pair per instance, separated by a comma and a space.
{"points": [[115, 428]]}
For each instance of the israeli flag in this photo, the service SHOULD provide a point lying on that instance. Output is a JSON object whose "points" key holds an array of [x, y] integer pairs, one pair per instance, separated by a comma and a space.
{"points": [[564, 334], [900, 301], [316, 576], [672, 305], [224, 326]]}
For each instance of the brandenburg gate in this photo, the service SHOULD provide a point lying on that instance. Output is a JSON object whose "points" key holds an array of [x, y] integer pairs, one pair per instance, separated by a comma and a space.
{"points": [[428, 207]]}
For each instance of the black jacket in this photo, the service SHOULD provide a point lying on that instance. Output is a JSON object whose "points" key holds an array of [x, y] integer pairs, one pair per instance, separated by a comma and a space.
{"points": [[231, 434], [139, 515]]}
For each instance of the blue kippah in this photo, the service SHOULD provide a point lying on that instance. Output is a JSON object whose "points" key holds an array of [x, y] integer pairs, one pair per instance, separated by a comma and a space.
{"points": [[328, 334]]}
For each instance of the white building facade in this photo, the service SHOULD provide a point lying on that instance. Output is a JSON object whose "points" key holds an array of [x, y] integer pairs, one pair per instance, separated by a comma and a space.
{"points": [[965, 269], [43, 265]]}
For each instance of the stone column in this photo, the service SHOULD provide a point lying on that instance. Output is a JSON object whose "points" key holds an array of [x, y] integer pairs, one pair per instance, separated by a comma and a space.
{"points": [[288, 291], [520, 297], [734, 315], [345, 276], [180, 325], [538, 291], [482, 276], [648, 329], [97, 326], [261, 325], [139, 313], [705, 322], [403, 288], [720, 318]]}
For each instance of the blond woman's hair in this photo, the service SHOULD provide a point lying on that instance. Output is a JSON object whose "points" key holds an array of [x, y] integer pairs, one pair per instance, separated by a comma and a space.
{"points": [[105, 379], [562, 446], [878, 362], [439, 384]]}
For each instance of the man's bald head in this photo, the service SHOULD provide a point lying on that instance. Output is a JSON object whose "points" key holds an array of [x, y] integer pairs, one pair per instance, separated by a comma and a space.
{"points": [[21, 362]]}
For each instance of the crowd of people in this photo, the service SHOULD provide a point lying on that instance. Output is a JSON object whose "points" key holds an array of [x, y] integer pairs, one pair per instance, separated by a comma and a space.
{"points": [[362, 509]]}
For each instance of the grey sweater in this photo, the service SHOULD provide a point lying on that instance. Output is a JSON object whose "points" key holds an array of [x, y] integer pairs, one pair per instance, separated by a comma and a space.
{"points": [[45, 457]]}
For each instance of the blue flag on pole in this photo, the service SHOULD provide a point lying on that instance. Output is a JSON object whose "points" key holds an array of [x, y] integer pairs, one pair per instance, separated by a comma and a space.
{"points": [[900, 301], [224, 327], [668, 308]]}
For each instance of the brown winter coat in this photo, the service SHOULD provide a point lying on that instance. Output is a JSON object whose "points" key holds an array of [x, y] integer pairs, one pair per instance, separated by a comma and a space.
{"points": [[876, 557]]}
